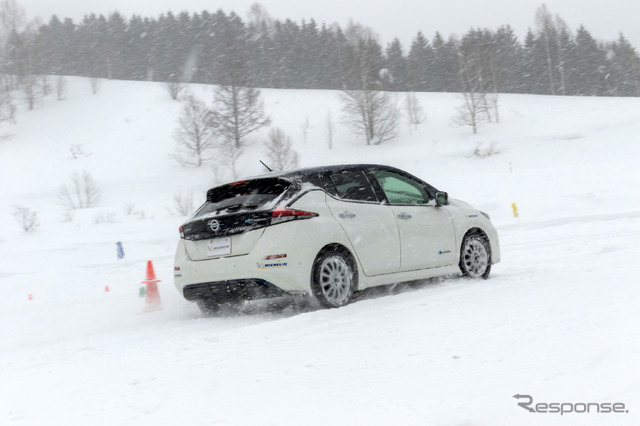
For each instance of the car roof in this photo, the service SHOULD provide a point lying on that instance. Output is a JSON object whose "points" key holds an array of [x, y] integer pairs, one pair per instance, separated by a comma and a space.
{"points": [[312, 171], [311, 174]]}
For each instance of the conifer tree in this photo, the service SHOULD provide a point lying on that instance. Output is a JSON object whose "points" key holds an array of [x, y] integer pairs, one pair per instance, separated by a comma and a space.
{"points": [[419, 63], [625, 67], [396, 63]]}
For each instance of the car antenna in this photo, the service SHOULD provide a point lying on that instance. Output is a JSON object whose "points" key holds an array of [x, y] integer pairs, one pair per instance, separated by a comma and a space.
{"points": [[266, 166]]}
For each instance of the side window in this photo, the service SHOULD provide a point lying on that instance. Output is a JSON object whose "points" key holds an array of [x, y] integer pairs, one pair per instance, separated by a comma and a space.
{"points": [[352, 185], [400, 189]]}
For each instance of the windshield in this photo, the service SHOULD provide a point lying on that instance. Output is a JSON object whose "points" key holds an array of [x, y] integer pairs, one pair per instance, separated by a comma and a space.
{"points": [[257, 194]]}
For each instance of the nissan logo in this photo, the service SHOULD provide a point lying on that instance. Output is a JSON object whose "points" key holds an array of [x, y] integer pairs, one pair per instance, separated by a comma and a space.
{"points": [[214, 225]]}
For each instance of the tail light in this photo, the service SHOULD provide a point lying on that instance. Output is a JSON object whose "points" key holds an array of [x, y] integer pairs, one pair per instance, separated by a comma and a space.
{"points": [[239, 223], [281, 215]]}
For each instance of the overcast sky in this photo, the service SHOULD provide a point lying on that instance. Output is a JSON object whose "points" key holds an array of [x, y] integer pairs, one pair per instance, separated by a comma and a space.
{"points": [[389, 18]]}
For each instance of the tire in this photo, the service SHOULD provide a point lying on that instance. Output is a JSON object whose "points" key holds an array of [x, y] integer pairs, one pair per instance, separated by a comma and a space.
{"points": [[475, 256], [213, 307], [334, 279]]}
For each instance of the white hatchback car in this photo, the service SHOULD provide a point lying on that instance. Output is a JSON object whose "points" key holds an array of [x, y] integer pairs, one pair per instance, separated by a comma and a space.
{"points": [[327, 231]]}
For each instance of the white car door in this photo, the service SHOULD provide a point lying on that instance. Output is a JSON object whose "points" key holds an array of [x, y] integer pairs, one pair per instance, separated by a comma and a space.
{"points": [[427, 237], [370, 226]]}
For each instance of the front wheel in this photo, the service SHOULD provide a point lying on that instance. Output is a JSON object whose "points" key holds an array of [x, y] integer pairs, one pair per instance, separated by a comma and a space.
{"points": [[475, 256], [334, 279]]}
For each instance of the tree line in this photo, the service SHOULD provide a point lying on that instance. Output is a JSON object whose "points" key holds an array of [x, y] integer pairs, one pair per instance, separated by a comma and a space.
{"points": [[222, 48]]}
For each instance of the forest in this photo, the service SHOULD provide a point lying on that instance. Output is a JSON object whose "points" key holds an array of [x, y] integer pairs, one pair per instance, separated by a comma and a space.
{"points": [[259, 51]]}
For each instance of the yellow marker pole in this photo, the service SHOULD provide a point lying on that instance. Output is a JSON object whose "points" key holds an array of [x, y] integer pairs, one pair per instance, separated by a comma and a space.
{"points": [[515, 209]]}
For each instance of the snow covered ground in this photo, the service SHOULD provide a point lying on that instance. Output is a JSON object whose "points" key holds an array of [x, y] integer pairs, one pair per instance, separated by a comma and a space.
{"points": [[558, 320]]}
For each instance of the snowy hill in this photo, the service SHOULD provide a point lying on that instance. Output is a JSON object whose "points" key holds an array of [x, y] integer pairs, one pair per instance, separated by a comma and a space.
{"points": [[557, 320]]}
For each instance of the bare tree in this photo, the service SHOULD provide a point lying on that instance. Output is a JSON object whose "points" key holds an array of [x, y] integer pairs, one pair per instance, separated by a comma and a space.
{"points": [[472, 69], [472, 111], [216, 174], [280, 153], [258, 14], [371, 113], [183, 204], [368, 110], [7, 108], [130, 210], [195, 135], [61, 87], [104, 217], [174, 87], [305, 126], [238, 112], [415, 113], [25, 52], [482, 151], [77, 151], [44, 84], [30, 91], [228, 155], [261, 31], [555, 35], [21, 64], [356, 33], [492, 71], [96, 84], [12, 21], [491, 104], [260, 21], [81, 192], [545, 26], [492, 96], [12, 17], [329, 128], [562, 39], [481, 74], [26, 218]]}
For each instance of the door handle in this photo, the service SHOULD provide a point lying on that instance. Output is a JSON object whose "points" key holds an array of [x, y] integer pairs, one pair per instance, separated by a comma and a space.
{"points": [[404, 216], [346, 215]]}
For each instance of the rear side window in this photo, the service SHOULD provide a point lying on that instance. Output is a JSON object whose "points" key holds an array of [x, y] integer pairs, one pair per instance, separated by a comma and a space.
{"points": [[352, 185], [257, 194]]}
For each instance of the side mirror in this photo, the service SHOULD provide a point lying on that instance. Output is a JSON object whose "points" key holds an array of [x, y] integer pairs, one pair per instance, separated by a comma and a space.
{"points": [[442, 198]]}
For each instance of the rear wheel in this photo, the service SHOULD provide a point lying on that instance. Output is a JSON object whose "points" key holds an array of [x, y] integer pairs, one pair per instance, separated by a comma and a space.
{"points": [[334, 279], [475, 256]]}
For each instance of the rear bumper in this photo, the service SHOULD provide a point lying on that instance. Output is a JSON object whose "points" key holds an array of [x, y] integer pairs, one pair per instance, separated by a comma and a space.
{"points": [[246, 289]]}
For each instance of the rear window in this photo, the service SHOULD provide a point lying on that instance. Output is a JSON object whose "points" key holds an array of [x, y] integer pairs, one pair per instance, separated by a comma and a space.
{"points": [[257, 194]]}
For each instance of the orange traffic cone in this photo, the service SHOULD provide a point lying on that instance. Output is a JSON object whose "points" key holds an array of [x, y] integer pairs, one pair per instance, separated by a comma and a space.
{"points": [[106, 289], [152, 297]]}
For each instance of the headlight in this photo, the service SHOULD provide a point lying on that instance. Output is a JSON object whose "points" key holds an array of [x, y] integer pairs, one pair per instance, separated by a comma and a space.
{"points": [[486, 215]]}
